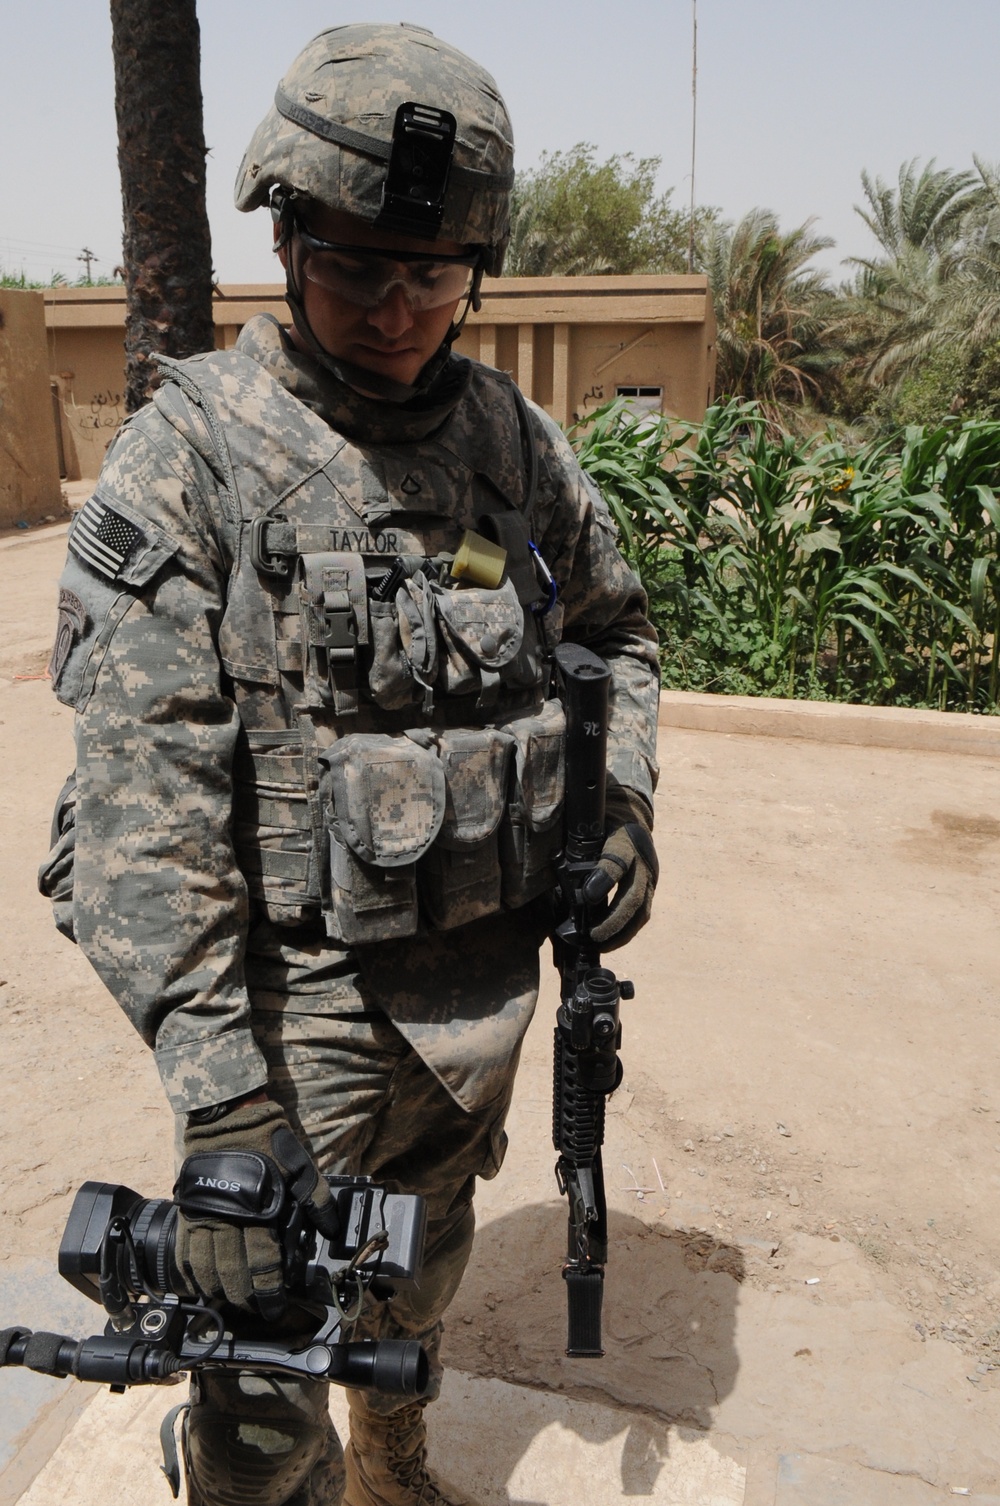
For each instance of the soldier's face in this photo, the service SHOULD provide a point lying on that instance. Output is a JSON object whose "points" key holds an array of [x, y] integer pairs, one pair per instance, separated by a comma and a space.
{"points": [[391, 337]]}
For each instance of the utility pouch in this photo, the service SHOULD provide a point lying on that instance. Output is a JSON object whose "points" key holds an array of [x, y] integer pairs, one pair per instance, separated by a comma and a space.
{"points": [[404, 645], [460, 876], [480, 633], [390, 682], [531, 836], [384, 802], [333, 605]]}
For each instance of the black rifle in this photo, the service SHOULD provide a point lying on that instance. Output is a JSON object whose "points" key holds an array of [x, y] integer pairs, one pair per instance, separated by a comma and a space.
{"points": [[588, 1032]]}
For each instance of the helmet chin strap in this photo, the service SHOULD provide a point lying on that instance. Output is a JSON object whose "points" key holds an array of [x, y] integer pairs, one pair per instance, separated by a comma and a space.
{"points": [[372, 383]]}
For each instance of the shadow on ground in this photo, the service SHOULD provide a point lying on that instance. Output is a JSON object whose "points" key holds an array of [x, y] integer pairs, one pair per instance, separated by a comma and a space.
{"points": [[669, 1320]]}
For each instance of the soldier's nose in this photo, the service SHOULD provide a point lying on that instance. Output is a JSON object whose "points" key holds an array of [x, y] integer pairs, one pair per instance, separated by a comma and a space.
{"points": [[393, 316]]}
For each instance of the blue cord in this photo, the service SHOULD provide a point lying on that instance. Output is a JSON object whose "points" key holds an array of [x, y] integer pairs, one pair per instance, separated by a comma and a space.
{"points": [[547, 579]]}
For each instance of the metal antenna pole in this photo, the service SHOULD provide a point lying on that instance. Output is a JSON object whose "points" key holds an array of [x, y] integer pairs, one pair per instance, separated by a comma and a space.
{"points": [[694, 123]]}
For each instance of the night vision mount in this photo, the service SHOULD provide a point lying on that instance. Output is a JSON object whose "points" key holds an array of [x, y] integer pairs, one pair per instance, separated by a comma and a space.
{"points": [[423, 141]]}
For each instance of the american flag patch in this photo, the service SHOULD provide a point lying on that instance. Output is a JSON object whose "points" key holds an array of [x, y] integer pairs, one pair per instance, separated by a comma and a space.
{"points": [[102, 538]]}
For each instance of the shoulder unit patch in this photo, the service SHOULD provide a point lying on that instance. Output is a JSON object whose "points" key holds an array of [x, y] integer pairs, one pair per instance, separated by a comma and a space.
{"points": [[73, 623]]}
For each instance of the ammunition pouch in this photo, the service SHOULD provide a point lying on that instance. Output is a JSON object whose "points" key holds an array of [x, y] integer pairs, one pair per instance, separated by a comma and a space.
{"points": [[439, 827], [461, 872], [384, 802], [531, 836]]}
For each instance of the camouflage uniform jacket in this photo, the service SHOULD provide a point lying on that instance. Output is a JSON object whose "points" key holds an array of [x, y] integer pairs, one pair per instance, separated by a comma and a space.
{"points": [[238, 524]]}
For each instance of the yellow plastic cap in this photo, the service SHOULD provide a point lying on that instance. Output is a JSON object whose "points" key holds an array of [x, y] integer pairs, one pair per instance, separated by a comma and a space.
{"points": [[479, 559]]}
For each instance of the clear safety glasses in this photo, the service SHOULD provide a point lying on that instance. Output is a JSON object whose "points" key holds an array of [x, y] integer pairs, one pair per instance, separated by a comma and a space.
{"points": [[365, 277]]}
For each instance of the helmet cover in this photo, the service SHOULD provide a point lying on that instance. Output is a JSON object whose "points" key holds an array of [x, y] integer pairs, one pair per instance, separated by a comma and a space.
{"points": [[329, 134]]}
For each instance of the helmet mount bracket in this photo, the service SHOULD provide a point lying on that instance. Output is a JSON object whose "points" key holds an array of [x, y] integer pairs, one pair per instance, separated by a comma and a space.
{"points": [[416, 180]]}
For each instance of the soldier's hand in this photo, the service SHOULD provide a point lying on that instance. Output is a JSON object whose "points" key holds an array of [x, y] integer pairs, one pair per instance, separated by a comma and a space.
{"points": [[227, 1243], [628, 865]]}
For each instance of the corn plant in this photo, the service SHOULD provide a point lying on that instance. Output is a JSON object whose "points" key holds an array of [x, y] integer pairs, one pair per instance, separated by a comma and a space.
{"points": [[788, 566]]}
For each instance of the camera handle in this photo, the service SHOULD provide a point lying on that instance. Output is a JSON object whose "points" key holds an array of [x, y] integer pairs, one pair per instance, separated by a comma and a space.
{"points": [[157, 1346]]}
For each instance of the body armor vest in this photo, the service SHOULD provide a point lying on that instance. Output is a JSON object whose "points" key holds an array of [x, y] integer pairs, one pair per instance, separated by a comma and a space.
{"points": [[399, 762]]}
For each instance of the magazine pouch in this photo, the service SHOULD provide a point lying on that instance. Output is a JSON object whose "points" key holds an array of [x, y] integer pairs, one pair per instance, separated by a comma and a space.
{"points": [[531, 836], [384, 803], [404, 645], [460, 876], [391, 680]]}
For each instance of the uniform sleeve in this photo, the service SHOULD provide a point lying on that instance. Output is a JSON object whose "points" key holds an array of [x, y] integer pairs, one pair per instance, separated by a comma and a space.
{"points": [[602, 603], [160, 906]]}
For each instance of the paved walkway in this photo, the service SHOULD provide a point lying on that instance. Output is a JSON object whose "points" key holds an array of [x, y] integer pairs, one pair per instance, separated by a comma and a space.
{"points": [[818, 986]]}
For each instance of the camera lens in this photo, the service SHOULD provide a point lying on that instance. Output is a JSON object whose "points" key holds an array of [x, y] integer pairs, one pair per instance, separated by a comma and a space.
{"points": [[154, 1229]]}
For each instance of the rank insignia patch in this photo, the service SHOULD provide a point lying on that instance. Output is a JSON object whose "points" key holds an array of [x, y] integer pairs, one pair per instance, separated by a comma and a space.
{"points": [[103, 539]]}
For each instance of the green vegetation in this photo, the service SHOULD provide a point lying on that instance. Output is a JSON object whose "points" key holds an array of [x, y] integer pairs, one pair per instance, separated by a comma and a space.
{"points": [[57, 280], [831, 529], [777, 325], [573, 215], [778, 565], [912, 336]]}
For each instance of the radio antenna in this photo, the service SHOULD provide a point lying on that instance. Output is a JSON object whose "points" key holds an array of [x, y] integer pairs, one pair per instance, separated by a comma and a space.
{"points": [[694, 123]]}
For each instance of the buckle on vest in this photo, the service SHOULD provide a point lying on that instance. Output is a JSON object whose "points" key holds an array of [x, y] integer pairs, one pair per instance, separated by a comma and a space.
{"points": [[338, 627], [333, 602], [266, 558]]}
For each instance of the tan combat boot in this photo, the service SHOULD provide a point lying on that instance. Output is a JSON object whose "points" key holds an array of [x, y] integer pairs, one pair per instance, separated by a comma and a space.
{"points": [[386, 1460]]}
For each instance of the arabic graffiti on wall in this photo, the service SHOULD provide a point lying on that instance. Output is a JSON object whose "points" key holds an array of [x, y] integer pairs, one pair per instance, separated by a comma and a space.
{"points": [[106, 411], [592, 399]]}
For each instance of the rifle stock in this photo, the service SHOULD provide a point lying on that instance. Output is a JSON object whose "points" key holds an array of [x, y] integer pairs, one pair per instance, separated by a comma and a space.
{"points": [[588, 1032]]}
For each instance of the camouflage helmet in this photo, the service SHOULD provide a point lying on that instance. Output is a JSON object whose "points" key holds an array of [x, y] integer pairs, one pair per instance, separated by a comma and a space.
{"points": [[331, 134]]}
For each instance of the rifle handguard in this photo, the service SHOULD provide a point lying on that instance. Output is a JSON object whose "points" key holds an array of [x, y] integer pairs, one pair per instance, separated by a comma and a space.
{"points": [[587, 1033]]}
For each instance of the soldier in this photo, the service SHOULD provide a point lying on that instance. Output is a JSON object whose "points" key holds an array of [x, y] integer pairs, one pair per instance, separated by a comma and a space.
{"points": [[306, 623]]}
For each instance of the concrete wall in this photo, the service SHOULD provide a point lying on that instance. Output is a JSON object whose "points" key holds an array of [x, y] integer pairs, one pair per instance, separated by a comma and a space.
{"points": [[29, 462], [86, 341], [569, 342], [88, 368]]}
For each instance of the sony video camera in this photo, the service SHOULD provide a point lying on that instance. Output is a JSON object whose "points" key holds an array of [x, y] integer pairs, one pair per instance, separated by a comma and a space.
{"points": [[118, 1248]]}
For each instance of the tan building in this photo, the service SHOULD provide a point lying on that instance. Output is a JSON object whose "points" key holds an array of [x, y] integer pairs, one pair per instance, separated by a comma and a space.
{"points": [[29, 462], [571, 343]]}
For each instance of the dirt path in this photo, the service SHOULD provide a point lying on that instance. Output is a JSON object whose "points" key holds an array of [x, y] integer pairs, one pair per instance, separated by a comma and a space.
{"points": [[811, 1072]]}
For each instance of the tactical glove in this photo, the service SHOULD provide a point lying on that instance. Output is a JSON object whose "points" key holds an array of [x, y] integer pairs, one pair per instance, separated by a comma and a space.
{"points": [[628, 860], [221, 1251]]}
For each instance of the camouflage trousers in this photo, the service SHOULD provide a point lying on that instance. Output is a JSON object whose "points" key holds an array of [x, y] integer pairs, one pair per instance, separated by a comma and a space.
{"points": [[365, 1104]]}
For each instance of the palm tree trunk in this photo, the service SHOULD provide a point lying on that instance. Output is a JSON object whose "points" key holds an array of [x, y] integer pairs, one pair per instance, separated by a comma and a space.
{"points": [[161, 157]]}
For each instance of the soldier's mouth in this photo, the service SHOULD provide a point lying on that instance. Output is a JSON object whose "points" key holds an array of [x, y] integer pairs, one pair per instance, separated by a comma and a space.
{"points": [[386, 352]]}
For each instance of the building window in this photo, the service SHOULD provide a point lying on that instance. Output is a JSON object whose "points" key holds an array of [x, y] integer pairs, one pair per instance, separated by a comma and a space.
{"points": [[642, 399]]}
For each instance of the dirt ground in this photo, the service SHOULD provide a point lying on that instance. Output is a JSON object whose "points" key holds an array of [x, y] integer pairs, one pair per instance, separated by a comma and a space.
{"points": [[804, 1159]]}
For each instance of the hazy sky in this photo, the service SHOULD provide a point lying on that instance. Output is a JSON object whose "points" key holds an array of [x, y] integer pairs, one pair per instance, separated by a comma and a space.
{"points": [[795, 97]]}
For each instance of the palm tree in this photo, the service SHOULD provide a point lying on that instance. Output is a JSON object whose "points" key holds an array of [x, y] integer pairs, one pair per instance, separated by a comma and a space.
{"points": [[161, 156], [976, 311], [925, 210], [935, 290], [775, 315]]}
